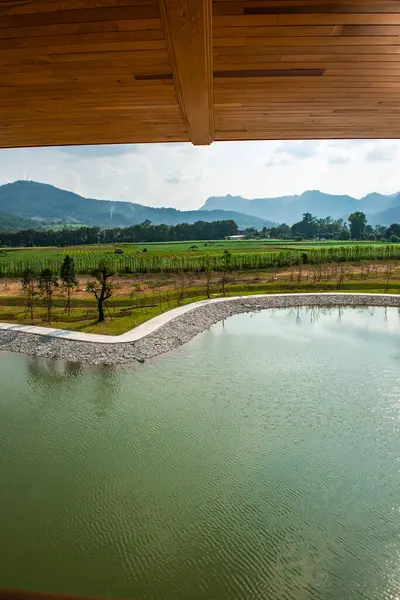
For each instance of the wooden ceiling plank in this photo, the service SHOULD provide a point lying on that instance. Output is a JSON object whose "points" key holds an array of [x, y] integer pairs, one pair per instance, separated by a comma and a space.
{"points": [[115, 68], [45, 60], [12, 8], [306, 19], [309, 61], [240, 50], [80, 28], [118, 77], [310, 41], [75, 39], [188, 35], [364, 69], [54, 51], [299, 7], [279, 32]]}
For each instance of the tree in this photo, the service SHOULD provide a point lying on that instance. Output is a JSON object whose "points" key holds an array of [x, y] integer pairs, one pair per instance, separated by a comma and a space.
{"points": [[68, 279], [28, 285], [307, 228], [357, 221], [279, 232], [226, 262], [208, 268], [251, 232], [393, 231], [344, 234], [101, 285], [47, 284], [146, 232]]}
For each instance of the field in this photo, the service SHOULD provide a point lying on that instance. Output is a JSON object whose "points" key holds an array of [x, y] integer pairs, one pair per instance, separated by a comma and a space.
{"points": [[152, 278], [192, 256], [137, 298]]}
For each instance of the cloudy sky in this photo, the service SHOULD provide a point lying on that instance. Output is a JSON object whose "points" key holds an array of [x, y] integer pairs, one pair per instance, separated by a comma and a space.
{"points": [[183, 176]]}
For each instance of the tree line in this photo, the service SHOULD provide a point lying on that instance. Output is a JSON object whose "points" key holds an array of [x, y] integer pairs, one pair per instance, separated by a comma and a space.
{"points": [[145, 232], [310, 228], [46, 282]]}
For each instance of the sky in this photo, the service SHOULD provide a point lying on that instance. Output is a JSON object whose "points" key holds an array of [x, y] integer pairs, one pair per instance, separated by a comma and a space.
{"points": [[184, 176]]}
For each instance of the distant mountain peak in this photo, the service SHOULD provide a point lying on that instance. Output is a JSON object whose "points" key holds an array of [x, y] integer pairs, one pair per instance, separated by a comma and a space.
{"points": [[289, 209], [44, 203]]}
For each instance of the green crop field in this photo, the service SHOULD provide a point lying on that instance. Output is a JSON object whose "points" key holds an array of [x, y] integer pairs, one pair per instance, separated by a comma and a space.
{"points": [[192, 256]]}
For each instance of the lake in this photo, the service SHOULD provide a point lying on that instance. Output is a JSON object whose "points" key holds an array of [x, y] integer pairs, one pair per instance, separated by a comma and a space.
{"points": [[259, 461]]}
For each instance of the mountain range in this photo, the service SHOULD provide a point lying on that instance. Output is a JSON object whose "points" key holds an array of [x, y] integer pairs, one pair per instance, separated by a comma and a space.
{"points": [[379, 208], [28, 204]]}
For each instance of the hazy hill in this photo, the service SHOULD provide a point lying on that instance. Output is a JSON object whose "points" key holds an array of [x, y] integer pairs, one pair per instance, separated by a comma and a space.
{"points": [[45, 204], [25, 204], [13, 223], [386, 217], [290, 209]]}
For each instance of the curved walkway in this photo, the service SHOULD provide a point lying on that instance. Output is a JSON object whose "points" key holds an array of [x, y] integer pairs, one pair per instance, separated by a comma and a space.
{"points": [[165, 332]]}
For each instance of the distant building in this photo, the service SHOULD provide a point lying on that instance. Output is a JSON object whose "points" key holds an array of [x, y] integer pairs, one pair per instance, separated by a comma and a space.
{"points": [[235, 237]]}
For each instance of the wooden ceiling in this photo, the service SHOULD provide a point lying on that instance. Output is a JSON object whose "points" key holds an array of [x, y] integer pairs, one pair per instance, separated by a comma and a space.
{"points": [[121, 71]]}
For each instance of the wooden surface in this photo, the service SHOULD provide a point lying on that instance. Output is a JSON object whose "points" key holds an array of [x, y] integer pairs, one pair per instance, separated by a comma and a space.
{"points": [[188, 34], [120, 71]]}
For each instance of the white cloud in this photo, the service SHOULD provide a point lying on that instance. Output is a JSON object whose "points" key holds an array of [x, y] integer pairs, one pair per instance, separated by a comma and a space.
{"points": [[98, 151], [379, 152], [299, 149], [338, 158], [183, 176]]}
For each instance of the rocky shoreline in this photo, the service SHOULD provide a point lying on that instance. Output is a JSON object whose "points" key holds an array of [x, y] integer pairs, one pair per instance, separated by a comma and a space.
{"points": [[177, 331]]}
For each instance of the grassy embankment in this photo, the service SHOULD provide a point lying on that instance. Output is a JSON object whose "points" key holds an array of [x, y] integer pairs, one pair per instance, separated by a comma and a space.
{"points": [[125, 313]]}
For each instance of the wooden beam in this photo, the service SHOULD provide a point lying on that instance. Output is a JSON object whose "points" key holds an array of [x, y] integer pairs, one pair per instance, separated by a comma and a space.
{"points": [[188, 35]]}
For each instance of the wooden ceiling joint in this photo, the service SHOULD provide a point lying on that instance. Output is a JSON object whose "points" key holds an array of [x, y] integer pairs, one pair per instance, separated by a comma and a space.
{"points": [[188, 35]]}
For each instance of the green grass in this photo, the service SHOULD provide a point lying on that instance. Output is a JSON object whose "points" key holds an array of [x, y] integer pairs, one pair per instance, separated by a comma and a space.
{"points": [[121, 317], [168, 248], [154, 248]]}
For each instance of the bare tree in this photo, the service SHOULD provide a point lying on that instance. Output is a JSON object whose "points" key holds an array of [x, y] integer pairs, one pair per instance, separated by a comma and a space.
{"points": [[47, 284], [28, 286], [226, 262], [342, 274], [136, 288], [180, 286], [389, 270], [68, 279], [101, 285], [208, 269]]}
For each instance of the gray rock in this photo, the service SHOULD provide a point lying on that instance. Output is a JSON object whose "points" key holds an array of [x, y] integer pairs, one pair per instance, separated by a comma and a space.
{"points": [[177, 331]]}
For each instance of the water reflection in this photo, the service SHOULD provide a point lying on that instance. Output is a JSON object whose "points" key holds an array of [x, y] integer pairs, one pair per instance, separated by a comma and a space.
{"points": [[106, 389], [315, 313], [45, 374], [49, 378]]}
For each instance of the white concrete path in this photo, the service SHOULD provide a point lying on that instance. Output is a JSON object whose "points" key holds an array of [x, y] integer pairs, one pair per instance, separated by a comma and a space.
{"points": [[153, 324]]}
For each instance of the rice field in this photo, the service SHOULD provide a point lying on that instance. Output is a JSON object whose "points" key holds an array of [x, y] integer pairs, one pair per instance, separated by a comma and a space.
{"points": [[246, 255]]}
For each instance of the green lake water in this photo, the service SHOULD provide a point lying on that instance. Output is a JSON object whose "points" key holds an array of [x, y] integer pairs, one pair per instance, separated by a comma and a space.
{"points": [[259, 461]]}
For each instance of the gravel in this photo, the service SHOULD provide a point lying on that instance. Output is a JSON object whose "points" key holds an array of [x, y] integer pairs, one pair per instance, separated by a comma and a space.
{"points": [[177, 331]]}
